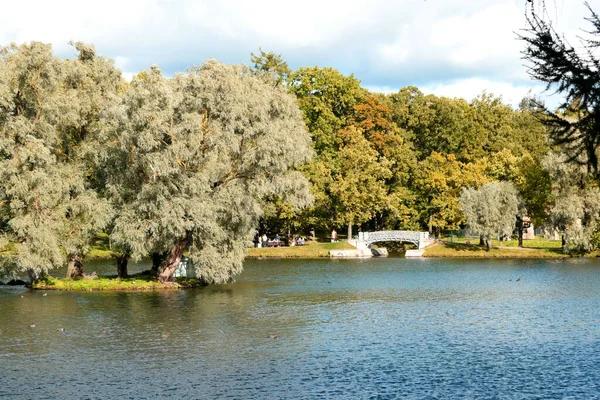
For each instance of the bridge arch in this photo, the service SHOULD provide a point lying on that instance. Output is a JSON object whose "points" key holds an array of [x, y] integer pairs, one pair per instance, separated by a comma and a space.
{"points": [[419, 239]]}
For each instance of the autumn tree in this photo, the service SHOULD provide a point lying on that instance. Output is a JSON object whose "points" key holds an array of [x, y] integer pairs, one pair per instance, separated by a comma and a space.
{"points": [[374, 117], [438, 183]]}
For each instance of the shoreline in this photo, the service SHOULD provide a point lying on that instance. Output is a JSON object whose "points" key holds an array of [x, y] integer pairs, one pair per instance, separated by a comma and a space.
{"points": [[140, 282], [463, 250], [311, 251]]}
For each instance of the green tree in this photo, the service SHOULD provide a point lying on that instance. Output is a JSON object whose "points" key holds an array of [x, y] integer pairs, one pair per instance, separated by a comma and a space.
{"points": [[358, 184], [438, 183], [270, 67], [490, 210], [327, 100]]}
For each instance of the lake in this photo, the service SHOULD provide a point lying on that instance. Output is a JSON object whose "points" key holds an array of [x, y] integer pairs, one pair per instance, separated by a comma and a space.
{"points": [[349, 329]]}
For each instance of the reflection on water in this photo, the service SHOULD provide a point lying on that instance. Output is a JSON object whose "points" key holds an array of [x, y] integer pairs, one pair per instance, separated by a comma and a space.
{"points": [[380, 328]]}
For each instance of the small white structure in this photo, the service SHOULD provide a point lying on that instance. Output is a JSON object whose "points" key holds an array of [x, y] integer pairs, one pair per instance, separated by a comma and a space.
{"points": [[414, 253], [528, 231], [185, 269]]}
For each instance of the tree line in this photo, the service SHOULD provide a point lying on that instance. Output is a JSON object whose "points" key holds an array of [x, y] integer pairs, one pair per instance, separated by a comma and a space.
{"points": [[401, 161], [413, 161], [199, 161]]}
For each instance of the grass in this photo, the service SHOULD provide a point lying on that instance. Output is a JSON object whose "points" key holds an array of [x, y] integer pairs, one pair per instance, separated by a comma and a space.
{"points": [[142, 281], [458, 250], [537, 243], [309, 250], [101, 247]]}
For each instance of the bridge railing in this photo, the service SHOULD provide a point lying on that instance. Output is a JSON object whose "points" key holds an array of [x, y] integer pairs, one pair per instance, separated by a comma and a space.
{"points": [[420, 239], [383, 236]]}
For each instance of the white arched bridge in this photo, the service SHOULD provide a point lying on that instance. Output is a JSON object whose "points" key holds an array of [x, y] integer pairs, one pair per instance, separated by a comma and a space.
{"points": [[419, 239], [364, 240]]}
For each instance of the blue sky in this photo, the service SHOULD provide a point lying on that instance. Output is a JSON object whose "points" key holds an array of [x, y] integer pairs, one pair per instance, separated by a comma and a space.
{"points": [[455, 48]]}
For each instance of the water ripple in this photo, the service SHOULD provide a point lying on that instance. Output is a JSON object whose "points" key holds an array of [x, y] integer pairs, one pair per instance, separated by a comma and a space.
{"points": [[376, 329]]}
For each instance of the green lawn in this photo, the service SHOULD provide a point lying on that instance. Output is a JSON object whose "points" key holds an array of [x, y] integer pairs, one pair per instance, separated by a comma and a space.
{"points": [[142, 281], [101, 247], [537, 243], [455, 249], [309, 250]]}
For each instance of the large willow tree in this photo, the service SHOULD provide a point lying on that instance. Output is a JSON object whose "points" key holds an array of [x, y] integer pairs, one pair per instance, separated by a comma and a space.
{"points": [[48, 111], [189, 159]]}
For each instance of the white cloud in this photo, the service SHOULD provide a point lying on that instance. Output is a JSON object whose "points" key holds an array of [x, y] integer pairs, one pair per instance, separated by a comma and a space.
{"points": [[472, 87], [432, 44]]}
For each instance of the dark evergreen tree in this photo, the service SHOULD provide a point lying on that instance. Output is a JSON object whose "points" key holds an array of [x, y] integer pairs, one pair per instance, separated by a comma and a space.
{"points": [[574, 73]]}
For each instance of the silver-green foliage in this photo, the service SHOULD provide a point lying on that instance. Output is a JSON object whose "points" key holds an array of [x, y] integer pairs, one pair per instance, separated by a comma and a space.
{"points": [[189, 159], [48, 106], [491, 210], [575, 209]]}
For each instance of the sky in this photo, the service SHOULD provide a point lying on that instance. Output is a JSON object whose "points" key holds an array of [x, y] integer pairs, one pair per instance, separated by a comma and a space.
{"points": [[454, 48]]}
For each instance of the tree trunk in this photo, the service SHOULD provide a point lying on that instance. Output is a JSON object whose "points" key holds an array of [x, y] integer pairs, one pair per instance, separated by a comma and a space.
{"points": [[75, 266], [157, 259], [33, 276], [564, 241], [481, 240], [122, 261], [349, 230], [488, 243], [170, 263], [520, 230]]}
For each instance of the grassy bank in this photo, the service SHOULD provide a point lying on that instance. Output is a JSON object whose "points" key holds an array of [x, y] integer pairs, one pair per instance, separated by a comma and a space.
{"points": [[309, 250], [537, 243], [143, 281], [458, 250]]}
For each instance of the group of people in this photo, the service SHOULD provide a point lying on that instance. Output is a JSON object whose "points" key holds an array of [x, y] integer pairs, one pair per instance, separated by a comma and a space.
{"points": [[298, 241], [263, 241]]}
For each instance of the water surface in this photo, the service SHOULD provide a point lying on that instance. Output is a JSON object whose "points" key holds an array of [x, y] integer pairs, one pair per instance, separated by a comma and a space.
{"points": [[352, 329]]}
